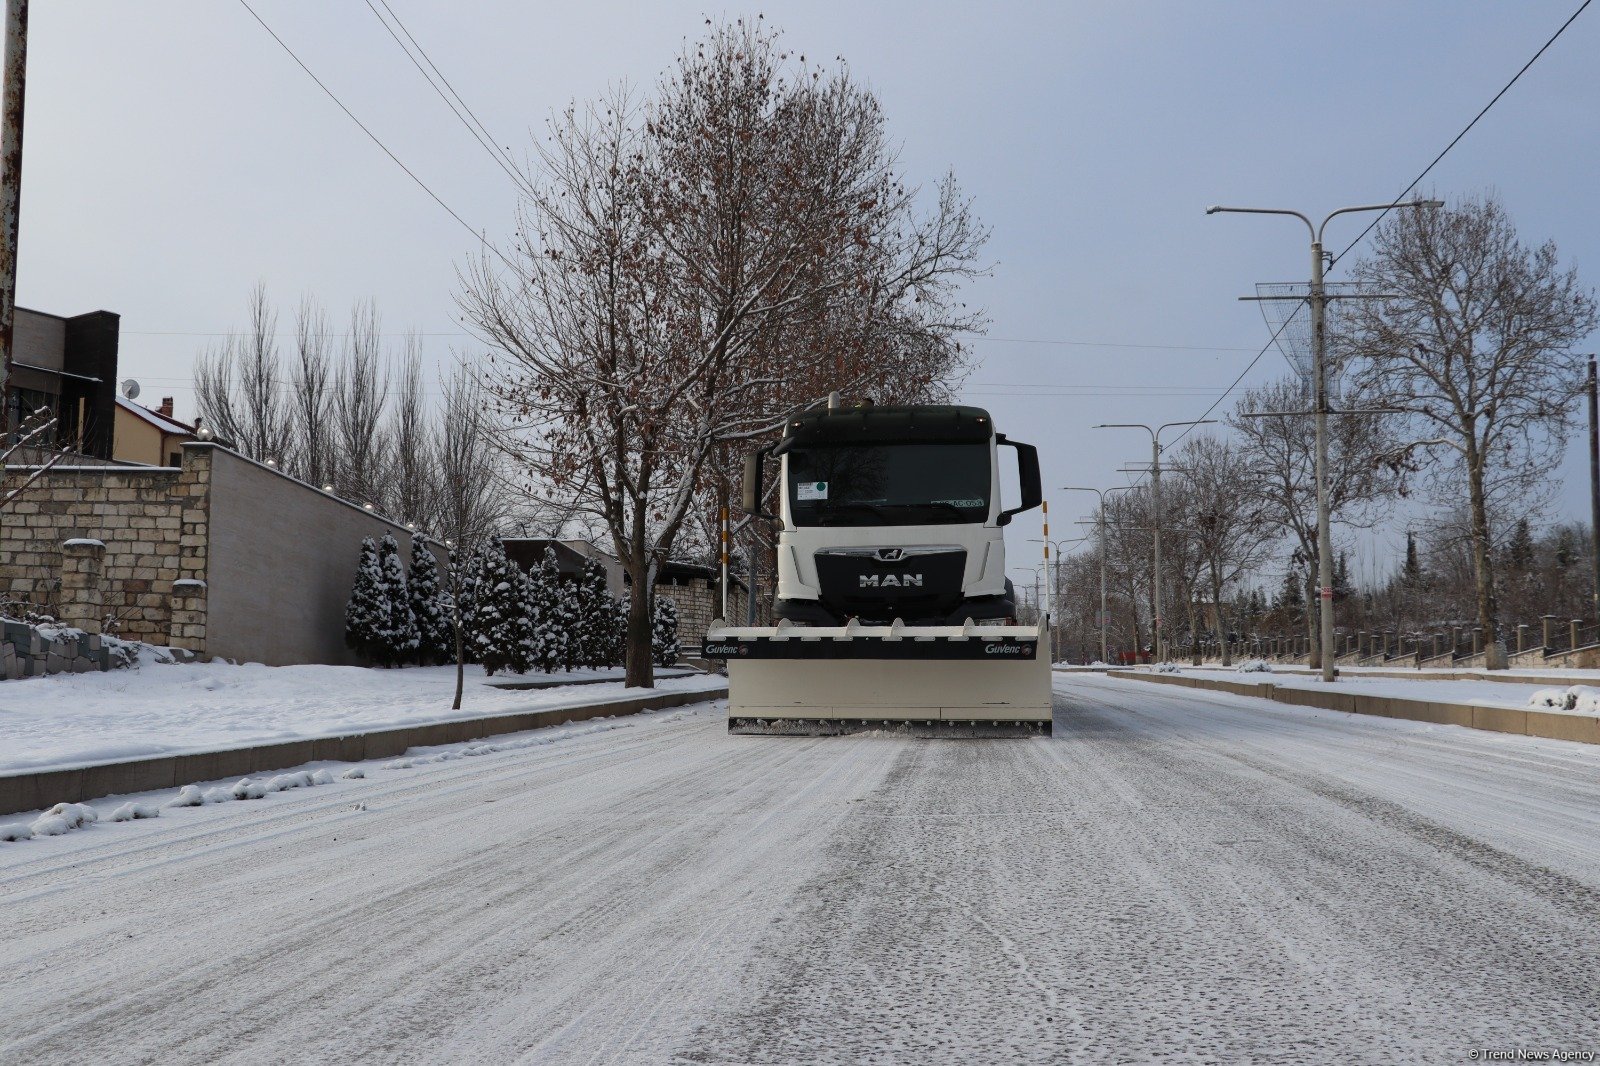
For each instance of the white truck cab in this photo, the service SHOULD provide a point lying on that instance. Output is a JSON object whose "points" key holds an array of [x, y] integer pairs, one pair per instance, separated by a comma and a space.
{"points": [[892, 513]]}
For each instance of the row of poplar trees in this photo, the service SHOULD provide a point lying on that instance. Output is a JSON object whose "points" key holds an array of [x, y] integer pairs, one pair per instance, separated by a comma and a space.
{"points": [[512, 620]]}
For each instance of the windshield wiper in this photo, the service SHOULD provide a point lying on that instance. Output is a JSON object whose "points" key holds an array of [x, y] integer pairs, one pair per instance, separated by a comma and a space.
{"points": [[874, 508], [952, 508]]}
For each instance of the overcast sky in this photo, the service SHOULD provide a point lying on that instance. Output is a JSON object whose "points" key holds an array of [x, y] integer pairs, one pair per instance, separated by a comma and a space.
{"points": [[175, 156]]}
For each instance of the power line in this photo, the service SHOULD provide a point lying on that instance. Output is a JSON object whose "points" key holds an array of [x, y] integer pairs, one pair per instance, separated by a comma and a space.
{"points": [[1397, 200], [1465, 130], [374, 138], [479, 134]]}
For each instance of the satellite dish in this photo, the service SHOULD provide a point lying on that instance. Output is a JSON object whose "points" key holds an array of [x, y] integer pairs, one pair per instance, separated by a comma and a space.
{"points": [[130, 389]]}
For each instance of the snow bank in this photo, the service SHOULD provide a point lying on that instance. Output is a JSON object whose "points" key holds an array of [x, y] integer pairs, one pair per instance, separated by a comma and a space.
{"points": [[1585, 698], [63, 818]]}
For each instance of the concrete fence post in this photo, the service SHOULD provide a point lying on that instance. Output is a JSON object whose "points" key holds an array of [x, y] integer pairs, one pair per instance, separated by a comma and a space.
{"points": [[1572, 629], [187, 628], [1477, 640], [1522, 636], [82, 597], [1547, 622]]}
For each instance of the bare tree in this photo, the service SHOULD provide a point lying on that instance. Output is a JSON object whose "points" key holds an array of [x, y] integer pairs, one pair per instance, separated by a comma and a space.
{"points": [[469, 506], [1477, 349], [1230, 531], [32, 447], [312, 457], [413, 464], [239, 387], [1280, 457], [687, 279], [358, 409]]}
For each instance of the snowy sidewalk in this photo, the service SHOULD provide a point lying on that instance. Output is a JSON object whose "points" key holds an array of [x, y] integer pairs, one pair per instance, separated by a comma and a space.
{"points": [[157, 710], [1479, 693]]}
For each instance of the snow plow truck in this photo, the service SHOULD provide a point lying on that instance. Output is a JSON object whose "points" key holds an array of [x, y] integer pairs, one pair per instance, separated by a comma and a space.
{"points": [[893, 610]]}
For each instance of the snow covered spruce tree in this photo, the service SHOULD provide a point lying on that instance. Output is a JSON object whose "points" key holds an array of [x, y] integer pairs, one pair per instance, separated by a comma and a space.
{"points": [[397, 639], [435, 636], [502, 629], [595, 612], [664, 632], [366, 615], [690, 267], [554, 621]]}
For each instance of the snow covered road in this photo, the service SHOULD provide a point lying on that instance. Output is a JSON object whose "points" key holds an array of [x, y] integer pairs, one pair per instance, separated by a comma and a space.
{"points": [[1177, 874]]}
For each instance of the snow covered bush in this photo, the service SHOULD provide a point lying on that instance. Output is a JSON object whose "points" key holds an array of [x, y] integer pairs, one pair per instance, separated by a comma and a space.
{"points": [[664, 632], [1255, 666], [501, 626], [1166, 668], [429, 608]]}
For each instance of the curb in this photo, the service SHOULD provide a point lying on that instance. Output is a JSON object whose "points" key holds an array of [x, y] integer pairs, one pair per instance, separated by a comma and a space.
{"points": [[519, 686], [1529, 721], [35, 790]]}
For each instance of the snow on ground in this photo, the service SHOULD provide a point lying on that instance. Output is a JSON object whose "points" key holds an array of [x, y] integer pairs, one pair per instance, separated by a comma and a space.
{"points": [[1478, 693], [1177, 875], [158, 709], [179, 806]]}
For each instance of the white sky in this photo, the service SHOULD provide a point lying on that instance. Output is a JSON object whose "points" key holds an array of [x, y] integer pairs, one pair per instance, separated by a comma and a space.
{"points": [[175, 156]]}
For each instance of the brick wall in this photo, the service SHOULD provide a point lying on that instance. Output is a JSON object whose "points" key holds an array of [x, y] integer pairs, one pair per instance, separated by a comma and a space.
{"points": [[697, 601], [153, 525]]}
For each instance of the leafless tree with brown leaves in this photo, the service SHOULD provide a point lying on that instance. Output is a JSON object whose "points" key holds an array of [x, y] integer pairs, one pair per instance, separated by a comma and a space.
{"points": [[689, 272], [1477, 348]]}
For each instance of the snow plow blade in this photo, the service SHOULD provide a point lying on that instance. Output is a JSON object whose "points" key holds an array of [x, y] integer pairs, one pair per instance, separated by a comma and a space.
{"points": [[972, 680]]}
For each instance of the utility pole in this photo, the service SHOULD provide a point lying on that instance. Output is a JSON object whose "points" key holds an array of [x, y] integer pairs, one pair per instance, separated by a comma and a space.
{"points": [[1594, 480], [1155, 507], [16, 76], [1318, 299], [1049, 593], [722, 540]]}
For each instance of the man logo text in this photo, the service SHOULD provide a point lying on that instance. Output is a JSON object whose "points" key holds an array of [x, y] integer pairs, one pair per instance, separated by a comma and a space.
{"points": [[891, 581]]}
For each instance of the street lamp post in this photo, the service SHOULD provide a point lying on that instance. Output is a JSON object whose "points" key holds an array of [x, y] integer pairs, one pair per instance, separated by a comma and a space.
{"points": [[1155, 506], [1318, 300], [1053, 582], [1105, 654]]}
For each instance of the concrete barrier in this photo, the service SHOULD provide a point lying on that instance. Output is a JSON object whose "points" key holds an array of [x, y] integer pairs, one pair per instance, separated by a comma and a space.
{"points": [[37, 789], [1523, 721]]}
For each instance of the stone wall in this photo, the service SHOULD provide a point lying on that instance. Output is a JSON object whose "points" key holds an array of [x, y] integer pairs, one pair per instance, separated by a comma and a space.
{"points": [[697, 601], [222, 557], [152, 523]]}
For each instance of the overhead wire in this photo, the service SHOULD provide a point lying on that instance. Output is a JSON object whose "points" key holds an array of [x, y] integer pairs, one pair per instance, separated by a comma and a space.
{"points": [[1398, 200], [375, 140], [473, 126]]}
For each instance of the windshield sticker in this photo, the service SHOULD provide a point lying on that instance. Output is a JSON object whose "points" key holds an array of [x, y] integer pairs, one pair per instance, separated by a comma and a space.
{"points": [[961, 503], [813, 490]]}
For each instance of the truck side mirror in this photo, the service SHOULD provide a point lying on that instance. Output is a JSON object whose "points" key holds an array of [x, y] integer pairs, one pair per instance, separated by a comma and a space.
{"points": [[1027, 479], [750, 496]]}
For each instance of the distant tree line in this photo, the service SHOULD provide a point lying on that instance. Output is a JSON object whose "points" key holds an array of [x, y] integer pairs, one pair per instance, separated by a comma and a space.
{"points": [[1472, 357]]}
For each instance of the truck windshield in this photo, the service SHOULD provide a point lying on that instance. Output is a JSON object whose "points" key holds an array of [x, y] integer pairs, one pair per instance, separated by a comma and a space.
{"points": [[889, 484]]}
